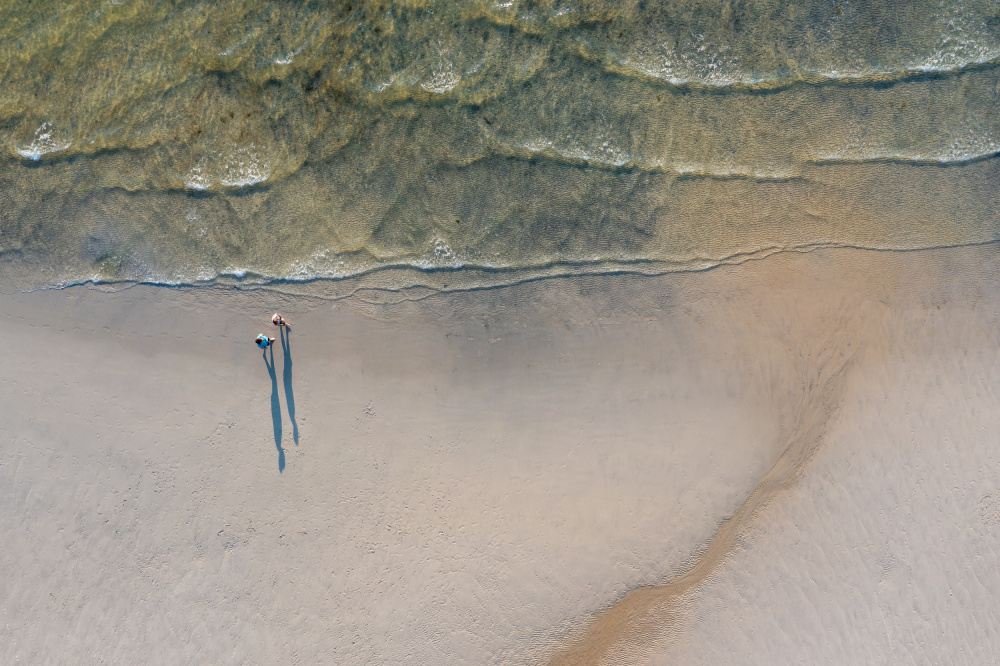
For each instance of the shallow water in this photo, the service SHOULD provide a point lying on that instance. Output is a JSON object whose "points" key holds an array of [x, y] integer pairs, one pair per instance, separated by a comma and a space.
{"points": [[257, 141]]}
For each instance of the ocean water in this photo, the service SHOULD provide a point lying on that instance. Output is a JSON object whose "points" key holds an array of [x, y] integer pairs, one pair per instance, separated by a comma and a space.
{"points": [[450, 144]]}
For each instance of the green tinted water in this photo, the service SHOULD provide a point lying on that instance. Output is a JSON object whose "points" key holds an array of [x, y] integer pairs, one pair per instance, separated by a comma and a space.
{"points": [[178, 142]]}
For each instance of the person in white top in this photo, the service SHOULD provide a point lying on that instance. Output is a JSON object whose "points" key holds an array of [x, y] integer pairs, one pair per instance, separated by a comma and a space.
{"points": [[278, 320]]}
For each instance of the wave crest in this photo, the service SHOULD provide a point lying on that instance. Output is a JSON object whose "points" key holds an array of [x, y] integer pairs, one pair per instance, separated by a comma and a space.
{"points": [[45, 141]]}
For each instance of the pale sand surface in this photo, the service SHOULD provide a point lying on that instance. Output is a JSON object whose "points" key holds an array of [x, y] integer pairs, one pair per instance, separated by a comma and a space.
{"points": [[875, 538], [478, 473], [887, 551]]}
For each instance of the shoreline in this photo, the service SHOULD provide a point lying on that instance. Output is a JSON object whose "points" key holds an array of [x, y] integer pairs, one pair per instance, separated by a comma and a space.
{"points": [[487, 468], [443, 279]]}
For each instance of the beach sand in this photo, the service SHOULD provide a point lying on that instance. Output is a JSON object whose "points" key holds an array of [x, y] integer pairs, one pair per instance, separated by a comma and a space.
{"points": [[790, 459]]}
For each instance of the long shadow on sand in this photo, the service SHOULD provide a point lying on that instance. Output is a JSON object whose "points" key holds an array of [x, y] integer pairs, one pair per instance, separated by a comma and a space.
{"points": [[286, 347], [275, 408]]}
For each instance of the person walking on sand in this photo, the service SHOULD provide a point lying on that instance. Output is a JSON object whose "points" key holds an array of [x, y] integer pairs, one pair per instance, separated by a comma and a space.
{"points": [[278, 320], [263, 341]]}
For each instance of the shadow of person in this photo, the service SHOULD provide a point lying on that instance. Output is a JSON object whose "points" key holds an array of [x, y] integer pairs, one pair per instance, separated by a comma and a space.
{"points": [[286, 347], [275, 408]]}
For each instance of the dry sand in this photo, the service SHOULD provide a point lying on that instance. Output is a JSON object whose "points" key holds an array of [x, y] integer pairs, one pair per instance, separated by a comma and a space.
{"points": [[774, 457]]}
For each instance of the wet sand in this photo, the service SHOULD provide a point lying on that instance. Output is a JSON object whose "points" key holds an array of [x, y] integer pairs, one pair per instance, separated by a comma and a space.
{"points": [[474, 477]]}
